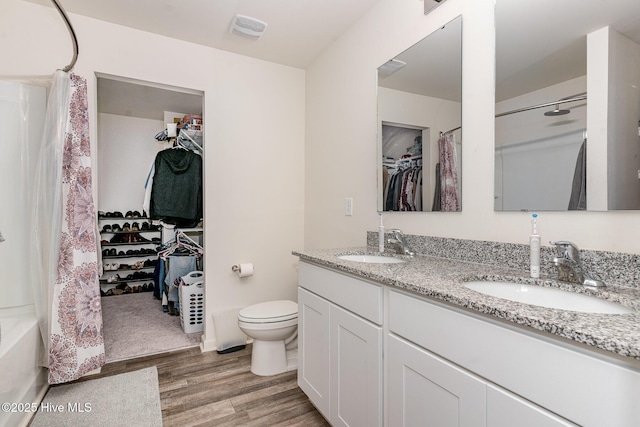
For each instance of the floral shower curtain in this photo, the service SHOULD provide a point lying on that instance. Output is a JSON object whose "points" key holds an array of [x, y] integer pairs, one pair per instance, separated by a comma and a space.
{"points": [[449, 190], [65, 237]]}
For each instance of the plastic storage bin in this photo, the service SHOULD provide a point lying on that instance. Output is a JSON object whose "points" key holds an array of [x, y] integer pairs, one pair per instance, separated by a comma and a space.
{"points": [[191, 298]]}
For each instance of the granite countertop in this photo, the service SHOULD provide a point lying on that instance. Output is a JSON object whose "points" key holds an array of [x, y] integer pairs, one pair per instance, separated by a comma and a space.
{"points": [[442, 279]]}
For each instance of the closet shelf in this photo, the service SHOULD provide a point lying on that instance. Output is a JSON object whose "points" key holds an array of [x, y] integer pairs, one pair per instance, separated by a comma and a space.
{"points": [[131, 269], [156, 243], [129, 232], [125, 281], [121, 218], [126, 256]]}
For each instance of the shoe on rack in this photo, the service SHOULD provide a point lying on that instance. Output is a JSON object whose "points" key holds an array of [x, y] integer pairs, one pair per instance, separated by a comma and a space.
{"points": [[112, 252], [135, 227], [117, 214], [126, 227], [118, 238], [106, 229], [116, 228], [129, 214], [136, 214]]}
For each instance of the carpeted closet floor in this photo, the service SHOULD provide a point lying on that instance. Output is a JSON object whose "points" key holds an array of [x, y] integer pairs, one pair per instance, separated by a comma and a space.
{"points": [[134, 325]]}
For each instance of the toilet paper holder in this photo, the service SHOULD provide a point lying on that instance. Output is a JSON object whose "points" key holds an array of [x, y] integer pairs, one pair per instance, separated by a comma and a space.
{"points": [[243, 269]]}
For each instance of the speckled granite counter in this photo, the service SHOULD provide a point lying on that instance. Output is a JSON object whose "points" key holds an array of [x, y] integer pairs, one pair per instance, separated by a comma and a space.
{"points": [[442, 279]]}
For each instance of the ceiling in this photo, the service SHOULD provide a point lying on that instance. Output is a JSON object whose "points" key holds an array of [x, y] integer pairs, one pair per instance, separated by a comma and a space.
{"points": [[538, 42], [297, 31]]}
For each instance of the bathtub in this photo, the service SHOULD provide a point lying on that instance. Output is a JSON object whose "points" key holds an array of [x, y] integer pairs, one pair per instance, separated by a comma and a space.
{"points": [[21, 379]]}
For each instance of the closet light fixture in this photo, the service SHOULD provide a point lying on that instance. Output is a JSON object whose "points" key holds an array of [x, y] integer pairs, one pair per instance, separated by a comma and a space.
{"points": [[429, 5], [390, 67], [247, 27]]}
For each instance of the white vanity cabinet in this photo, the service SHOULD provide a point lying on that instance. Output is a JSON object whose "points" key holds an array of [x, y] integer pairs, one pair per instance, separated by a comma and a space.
{"points": [[446, 366], [530, 380], [340, 346]]}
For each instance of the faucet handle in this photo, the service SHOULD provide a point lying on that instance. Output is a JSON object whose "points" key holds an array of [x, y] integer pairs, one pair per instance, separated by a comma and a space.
{"points": [[567, 250]]}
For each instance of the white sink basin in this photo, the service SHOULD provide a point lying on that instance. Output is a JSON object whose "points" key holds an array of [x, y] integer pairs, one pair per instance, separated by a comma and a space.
{"points": [[372, 259], [547, 297]]}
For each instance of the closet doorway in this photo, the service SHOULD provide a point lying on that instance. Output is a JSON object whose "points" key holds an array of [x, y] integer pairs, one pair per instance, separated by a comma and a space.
{"points": [[135, 125]]}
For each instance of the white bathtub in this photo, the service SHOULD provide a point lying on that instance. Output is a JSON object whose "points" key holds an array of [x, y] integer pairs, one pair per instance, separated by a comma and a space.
{"points": [[21, 379]]}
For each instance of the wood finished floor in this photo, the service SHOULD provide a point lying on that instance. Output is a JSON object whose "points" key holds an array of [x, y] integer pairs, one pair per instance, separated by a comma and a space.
{"points": [[211, 389]]}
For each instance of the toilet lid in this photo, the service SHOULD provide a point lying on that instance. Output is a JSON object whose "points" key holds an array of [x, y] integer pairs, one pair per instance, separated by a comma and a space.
{"points": [[270, 311]]}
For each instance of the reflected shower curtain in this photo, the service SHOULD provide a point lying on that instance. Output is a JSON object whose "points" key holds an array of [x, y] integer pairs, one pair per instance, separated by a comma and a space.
{"points": [[449, 192], [67, 289]]}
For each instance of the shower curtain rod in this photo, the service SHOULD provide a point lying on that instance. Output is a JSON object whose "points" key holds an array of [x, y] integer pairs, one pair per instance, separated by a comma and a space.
{"points": [[72, 33], [573, 98]]}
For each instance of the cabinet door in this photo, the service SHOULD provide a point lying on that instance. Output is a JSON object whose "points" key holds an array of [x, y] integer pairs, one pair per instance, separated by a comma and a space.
{"points": [[356, 370], [314, 342], [507, 410], [425, 390]]}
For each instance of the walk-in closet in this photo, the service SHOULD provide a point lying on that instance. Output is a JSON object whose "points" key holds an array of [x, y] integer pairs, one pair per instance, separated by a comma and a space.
{"points": [[150, 149]]}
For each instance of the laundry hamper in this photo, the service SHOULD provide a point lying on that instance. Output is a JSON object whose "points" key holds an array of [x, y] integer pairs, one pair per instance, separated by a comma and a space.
{"points": [[191, 298]]}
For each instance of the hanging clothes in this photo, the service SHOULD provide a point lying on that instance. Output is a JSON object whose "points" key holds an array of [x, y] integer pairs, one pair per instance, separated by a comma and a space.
{"points": [[450, 194], [176, 194], [437, 194], [578, 198], [403, 189]]}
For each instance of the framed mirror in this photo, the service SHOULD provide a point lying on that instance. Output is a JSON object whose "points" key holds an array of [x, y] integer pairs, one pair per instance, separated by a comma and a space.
{"points": [[567, 127], [419, 125]]}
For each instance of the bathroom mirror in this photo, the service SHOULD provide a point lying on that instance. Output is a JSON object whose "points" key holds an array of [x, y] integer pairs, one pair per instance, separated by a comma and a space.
{"points": [[567, 105], [419, 125]]}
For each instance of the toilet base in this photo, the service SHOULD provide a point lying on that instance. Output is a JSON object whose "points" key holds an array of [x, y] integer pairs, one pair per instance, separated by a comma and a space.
{"points": [[271, 358]]}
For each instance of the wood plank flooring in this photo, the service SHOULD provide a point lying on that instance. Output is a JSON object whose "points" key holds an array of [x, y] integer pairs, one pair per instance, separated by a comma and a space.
{"points": [[211, 389]]}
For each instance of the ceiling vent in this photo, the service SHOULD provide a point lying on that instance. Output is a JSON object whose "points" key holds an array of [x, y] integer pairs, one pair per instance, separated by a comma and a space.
{"points": [[390, 67], [247, 27]]}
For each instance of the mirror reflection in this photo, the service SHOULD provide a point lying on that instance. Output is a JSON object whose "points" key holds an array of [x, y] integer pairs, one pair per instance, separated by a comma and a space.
{"points": [[419, 125], [567, 127]]}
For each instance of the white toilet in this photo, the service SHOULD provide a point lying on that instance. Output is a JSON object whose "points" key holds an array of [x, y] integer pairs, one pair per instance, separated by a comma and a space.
{"points": [[273, 325]]}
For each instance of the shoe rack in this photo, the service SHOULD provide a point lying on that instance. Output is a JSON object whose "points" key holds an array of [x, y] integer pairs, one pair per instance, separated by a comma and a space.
{"points": [[128, 244]]}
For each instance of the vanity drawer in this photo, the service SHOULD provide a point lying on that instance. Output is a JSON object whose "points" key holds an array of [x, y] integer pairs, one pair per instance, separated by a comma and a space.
{"points": [[358, 296]]}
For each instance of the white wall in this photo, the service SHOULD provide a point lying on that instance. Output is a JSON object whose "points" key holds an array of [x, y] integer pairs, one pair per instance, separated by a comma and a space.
{"points": [[255, 116], [341, 90], [624, 107], [536, 154], [126, 150]]}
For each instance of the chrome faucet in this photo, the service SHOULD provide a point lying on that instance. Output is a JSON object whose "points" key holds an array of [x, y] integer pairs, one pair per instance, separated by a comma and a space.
{"points": [[570, 268], [400, 242]]}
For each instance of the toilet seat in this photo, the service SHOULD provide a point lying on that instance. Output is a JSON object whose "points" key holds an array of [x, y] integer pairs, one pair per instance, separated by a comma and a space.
{"points": [[269, 312]]}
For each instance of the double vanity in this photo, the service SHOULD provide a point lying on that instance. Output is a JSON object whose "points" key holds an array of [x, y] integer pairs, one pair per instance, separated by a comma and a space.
{"points": [[395, 340]]}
